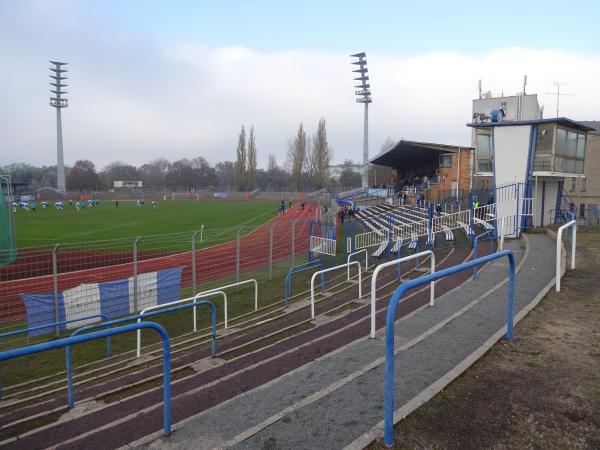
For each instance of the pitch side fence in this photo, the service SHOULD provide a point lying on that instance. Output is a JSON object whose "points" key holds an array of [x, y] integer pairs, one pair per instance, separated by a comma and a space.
{"points": [[123, 276]]}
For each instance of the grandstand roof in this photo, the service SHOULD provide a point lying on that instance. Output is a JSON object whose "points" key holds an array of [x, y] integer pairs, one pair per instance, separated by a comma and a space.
{"points": [[412, 153]]}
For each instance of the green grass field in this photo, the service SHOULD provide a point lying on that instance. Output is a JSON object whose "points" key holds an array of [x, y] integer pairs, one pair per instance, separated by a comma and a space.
{"points": [[49, 226]]}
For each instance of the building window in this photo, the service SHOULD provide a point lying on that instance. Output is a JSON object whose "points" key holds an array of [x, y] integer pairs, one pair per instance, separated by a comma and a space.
{"points": [[583, 184], [582, 210], [573, 184], [569, 151], [543, 148], [484, 151], [445, 161]]}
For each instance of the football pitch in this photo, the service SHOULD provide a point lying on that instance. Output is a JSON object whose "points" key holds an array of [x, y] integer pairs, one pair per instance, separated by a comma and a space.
{"points": [[107, 221]]}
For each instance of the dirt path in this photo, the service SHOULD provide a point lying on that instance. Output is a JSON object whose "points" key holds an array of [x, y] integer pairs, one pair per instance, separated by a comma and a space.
{"points": [[540, 391]]}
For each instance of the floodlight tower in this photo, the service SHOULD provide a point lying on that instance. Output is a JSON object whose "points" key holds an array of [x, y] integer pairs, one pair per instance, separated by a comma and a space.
{"points": [[59, 102], [363, 95]]}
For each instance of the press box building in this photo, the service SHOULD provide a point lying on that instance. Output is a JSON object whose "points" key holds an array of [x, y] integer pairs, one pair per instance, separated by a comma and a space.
{"points": [[543, 154]]}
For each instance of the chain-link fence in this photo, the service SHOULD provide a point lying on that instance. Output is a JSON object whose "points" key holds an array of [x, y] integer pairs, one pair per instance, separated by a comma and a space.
{"points": [[71, 281]]}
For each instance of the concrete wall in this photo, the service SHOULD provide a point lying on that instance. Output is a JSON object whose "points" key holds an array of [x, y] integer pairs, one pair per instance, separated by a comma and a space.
{"points": [[511, 150], [450, 174], [530, 109]]}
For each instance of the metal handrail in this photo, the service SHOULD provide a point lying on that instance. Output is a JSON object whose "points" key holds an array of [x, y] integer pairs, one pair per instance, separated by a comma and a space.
{"points": [[329, 269], [56, 325], [380, 267], [391, 319], [53, 324], [177, 302], [356, 253], [239, 283], [73, 340], [136, 317], [296, 269], [479, 236]]}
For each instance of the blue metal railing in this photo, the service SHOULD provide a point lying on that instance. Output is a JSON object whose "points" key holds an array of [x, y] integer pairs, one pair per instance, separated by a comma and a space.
{"points": [[54, 325], [73, 340], [399, 251], [388, 438], [476, 240], [301, 268], [70, 390]]}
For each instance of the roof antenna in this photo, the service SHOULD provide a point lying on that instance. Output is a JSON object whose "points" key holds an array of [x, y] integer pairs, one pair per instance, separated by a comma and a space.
{"points": [[558, 94], [479, 88]]}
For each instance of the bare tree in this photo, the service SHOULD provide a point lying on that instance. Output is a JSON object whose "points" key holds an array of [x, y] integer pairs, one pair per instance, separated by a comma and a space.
{"points": [[382, 174], [272, 163], [83, 177], [297, 155], [240, 164], [310, 161], [206, 176], [154, 173], [321, 155], [251, 168], [118, 170]]}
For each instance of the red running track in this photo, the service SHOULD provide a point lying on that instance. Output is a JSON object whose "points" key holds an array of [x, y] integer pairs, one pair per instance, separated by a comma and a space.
{"points": [[212, 263]]}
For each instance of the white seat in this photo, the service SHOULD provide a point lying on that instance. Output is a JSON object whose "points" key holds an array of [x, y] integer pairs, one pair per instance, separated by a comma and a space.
{"points": [[380, 249], [485, 224], [448, 232], [467, 228]]}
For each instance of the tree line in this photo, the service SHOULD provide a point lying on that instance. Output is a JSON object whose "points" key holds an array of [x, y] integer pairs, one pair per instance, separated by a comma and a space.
{"points": [[306, 168]]}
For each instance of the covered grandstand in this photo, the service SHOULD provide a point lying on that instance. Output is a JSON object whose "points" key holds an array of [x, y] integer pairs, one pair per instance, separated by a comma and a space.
{"points": [[438, 171], [430, 202]]}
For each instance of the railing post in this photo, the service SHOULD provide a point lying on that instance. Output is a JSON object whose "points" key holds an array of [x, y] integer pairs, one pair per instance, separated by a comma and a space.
{"points": [[237, 255], [55, 282], [471, 214], [573, 245], [310, 227], [194, 261], [135, 273], [271, 252]]}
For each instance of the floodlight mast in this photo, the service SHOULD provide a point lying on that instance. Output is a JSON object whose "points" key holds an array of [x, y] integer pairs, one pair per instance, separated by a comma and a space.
{"points": [[363, 95], [59, 102]]}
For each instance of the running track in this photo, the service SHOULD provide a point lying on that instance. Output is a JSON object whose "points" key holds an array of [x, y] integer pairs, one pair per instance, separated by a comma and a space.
{"points": [[212, 263]]}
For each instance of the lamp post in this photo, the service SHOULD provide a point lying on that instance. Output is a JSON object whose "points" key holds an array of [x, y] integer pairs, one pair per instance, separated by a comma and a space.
{"points": [[363, 95], [59, 102]]}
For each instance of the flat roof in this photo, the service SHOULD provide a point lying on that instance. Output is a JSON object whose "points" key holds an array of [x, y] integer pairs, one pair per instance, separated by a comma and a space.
{"points": [[412, 153], [508, 123]]}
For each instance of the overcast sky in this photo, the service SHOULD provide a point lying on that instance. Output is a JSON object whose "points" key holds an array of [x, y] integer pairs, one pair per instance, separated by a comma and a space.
{"points": [[178, 79]]}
